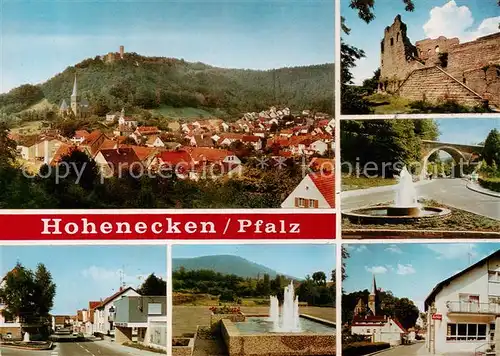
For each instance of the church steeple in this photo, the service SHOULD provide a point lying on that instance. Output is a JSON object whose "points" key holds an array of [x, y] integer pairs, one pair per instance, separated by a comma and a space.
{"points": [[75, 88], [372, 298], [75, 102]]}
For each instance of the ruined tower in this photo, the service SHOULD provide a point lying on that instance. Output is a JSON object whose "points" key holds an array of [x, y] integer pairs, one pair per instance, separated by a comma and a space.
{"points": [[396, 55], [372, 298], [75, 100], [122, 51]]}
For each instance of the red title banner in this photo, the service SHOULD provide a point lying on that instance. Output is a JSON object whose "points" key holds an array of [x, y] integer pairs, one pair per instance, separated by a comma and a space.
{"points": [[165, 226]]}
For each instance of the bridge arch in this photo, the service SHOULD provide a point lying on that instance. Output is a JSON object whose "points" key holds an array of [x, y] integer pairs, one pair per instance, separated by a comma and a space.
{"points": [[457, 155]]}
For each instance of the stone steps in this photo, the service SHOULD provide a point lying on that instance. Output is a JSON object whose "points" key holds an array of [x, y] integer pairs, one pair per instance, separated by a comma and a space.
{"points": [[433, 85]]}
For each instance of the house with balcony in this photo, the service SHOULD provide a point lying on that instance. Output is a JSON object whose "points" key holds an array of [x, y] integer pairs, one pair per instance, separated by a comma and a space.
{"points": [[147, 315], [104, 313], [463, 311]]}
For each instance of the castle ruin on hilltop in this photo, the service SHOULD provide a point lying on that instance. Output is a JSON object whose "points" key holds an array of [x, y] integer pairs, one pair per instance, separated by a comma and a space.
{"points": [[440, 69]]}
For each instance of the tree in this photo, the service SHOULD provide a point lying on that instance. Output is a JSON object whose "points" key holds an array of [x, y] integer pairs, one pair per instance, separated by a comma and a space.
{"points": [[371, 84], [491, 150], [7, 147], [319, 278], [45, 290], [365, 8], [153, 285], [29, 296]]}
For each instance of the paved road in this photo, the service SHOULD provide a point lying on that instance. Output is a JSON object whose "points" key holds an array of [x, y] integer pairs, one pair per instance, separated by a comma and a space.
{"points": [[87, 349], [452, 192], [406, 350], [69, 349]]}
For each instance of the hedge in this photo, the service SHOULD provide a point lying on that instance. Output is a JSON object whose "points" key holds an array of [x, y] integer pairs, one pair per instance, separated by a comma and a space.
{"points": [[491, 184], [363, 348]]}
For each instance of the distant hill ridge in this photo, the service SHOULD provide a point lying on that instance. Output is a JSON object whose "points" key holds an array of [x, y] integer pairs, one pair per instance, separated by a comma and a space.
{"points": [[149, 82], [225, 264]]}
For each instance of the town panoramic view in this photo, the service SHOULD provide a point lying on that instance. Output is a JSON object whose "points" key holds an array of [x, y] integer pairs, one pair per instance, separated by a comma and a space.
{"points": [[172, 112], [83, 300]]}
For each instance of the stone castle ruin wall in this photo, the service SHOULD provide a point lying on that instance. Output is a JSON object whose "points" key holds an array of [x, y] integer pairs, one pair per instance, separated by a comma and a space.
{"points": [[466, 72]]}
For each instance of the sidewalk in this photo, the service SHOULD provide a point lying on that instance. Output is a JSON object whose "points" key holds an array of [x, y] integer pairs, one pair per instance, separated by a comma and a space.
{"points": [[126, 349], [478, 189], [384, 188]]}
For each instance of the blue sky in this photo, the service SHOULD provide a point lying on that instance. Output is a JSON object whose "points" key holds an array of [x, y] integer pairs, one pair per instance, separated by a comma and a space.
{"points": [[292, 260], [42, 38], [409, 270], [465, 19], [84, 273], [466, 131]]}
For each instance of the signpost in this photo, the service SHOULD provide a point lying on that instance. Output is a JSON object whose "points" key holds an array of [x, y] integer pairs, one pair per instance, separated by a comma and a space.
{"points": [[437, 317]]}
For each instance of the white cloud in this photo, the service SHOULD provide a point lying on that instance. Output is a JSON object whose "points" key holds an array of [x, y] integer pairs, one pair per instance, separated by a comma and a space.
{"points": [[357, 248], [454, 251], [394, 249], [376, 269], [405, 269], [451, 20]]}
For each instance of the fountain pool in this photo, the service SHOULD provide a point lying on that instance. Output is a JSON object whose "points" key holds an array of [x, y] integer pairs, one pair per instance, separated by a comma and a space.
{"points": [[406, 208], [283, 332], [258, 325]]}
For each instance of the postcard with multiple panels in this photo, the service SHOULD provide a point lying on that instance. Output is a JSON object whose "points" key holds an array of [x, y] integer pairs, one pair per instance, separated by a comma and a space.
{"points": [[127, 126]]}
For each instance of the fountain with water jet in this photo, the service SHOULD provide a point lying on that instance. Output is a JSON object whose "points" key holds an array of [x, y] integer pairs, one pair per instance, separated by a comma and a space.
{"points": [[283, 332], [405, 209], [289, 320]]}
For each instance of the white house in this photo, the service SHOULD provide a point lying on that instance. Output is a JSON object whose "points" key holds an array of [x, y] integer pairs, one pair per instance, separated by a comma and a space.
{"points": [[379, 329], [104, 313], [463, 311], [154, 141], [319, 146], [316, 190]]}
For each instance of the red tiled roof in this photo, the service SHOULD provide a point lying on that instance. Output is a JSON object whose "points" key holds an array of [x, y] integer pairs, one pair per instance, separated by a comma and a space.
{"points": [[208, 154], [326, 185], [93, 305], [175, 157], [248, 138], [114, 296], [63, 150], [81, 133], [121, 158], [322, 164], [146, 129], [141, 151]]}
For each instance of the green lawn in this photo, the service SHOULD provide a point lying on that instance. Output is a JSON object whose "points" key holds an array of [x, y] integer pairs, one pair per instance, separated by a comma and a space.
{"points": [[27, 128], [383, 104], [187, 112], [350, 182]]}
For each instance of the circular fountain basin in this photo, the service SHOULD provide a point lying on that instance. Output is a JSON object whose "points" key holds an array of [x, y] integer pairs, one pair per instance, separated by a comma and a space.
{"points": [[394, 215]]}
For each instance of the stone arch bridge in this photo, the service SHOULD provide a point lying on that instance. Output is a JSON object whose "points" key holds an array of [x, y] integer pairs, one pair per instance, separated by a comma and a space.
{"points": [[461, 154]]}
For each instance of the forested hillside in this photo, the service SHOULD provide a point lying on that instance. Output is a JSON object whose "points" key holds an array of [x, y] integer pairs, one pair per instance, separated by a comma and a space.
{"points": [[151, 82]]}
